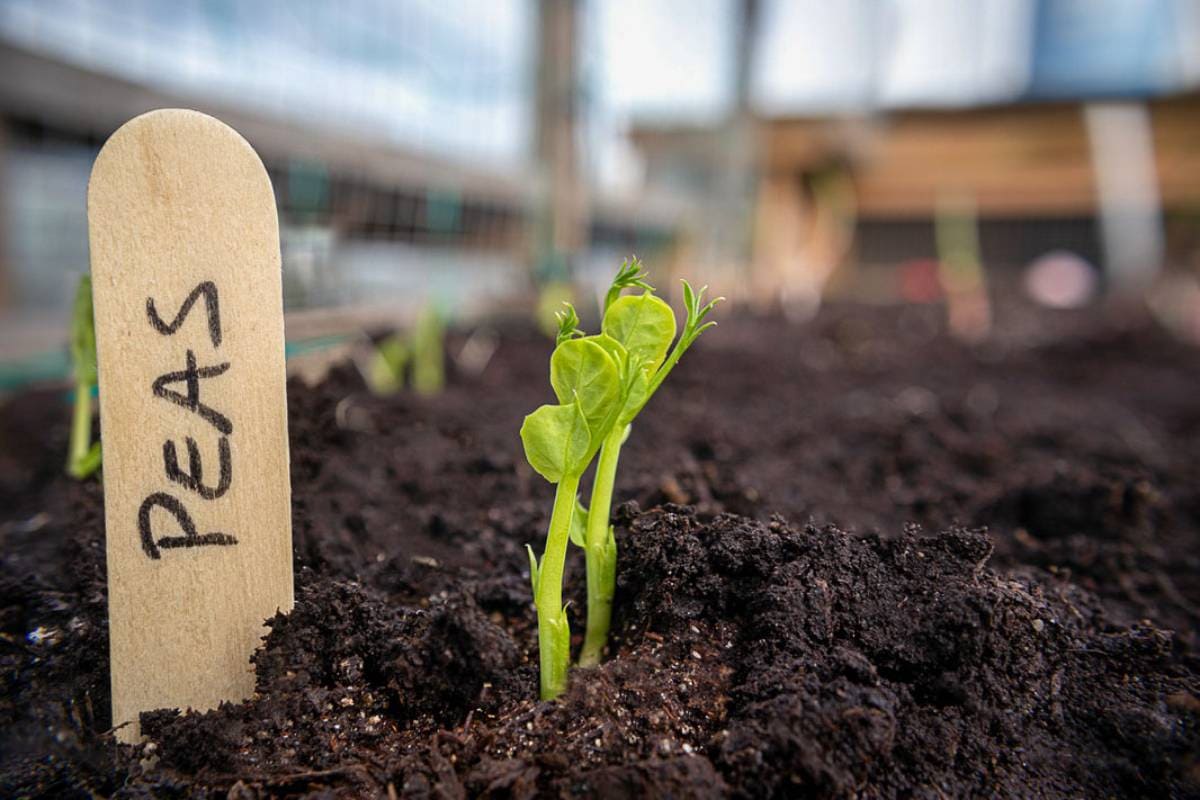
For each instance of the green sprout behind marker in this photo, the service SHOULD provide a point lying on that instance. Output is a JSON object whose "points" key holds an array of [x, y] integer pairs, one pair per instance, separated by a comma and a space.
{"points": [[601, 382], [83, 457]]}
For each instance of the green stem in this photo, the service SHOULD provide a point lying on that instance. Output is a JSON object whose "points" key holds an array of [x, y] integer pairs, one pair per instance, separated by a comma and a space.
{"points": [[681, 345], [554, 635], [600, 552], [81, 432]]}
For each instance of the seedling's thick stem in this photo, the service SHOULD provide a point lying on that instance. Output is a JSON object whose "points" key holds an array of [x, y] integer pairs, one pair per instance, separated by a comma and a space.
{"points": [[600, 551], [78, 465], [83, 457], [554, 635]]}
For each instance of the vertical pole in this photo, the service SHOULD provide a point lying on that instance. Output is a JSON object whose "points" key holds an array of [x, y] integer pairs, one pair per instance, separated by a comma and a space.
{"points": [[960, 267], [5, 255], [731, 212], [560, 216], [1127, 196]]}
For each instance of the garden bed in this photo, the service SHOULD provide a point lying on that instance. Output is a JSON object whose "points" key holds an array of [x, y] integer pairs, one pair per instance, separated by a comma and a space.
{"points": [[782, 626]]}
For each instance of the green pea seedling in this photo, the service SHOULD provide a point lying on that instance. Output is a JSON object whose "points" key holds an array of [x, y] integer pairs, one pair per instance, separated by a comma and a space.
{"points": [[424, 350], [429, 353], [83, 457], [388, 363], [601, 382]]}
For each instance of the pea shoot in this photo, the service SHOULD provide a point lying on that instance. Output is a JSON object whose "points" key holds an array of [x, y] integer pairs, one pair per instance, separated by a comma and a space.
{"points": [[601, 383]]}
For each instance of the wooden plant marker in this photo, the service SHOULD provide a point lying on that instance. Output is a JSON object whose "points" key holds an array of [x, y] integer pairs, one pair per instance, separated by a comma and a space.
{"points": [[188, 296]]}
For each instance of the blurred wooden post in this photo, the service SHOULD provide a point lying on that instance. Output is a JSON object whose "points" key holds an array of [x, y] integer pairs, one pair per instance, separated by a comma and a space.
{"points": [[1128, 202], [5, 255], [779, 223], [960, 266], [560, 220], [732, 205], [801, 238]]}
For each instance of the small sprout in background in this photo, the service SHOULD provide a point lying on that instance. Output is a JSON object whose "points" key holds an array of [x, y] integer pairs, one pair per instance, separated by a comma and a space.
{"points": [[960, 268], [83, 457], [419, 354], [601, 382], [477, 352], [429, 353], [388, 362]]}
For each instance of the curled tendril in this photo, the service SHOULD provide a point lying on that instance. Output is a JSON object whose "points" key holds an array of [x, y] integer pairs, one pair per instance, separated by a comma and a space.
{"points": [[568, 324]]}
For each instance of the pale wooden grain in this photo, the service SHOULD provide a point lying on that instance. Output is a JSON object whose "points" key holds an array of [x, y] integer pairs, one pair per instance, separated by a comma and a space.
{"points": [[177, 198]]}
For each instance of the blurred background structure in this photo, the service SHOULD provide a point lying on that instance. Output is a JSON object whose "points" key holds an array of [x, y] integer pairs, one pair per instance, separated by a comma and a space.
{"points": [[466, 152]]}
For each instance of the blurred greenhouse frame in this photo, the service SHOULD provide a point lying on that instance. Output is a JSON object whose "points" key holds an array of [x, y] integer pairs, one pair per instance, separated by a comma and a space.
{"points": [[465, 153]]}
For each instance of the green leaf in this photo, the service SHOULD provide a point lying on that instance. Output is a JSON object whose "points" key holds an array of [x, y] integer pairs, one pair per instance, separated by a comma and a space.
{"points": [[578, 530], [644, 325], [533, 571], [581, 370], [611, 346], [636, 392], [556, 440]]}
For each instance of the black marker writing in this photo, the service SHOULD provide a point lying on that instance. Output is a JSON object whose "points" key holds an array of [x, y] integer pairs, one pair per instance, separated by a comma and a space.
{"points": [[194, 478], [209, 290], [191, 376], [189, 537]]}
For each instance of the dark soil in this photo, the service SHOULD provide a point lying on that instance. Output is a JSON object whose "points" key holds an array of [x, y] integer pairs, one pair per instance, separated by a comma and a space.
{"points": [[783, 627]]}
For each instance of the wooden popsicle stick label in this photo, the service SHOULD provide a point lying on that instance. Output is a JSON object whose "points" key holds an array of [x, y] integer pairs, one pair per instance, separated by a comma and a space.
{"points": [[188, 298]]}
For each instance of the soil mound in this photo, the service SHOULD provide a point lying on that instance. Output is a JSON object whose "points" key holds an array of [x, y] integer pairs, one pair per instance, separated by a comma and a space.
{"points": [[754, 659]]}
